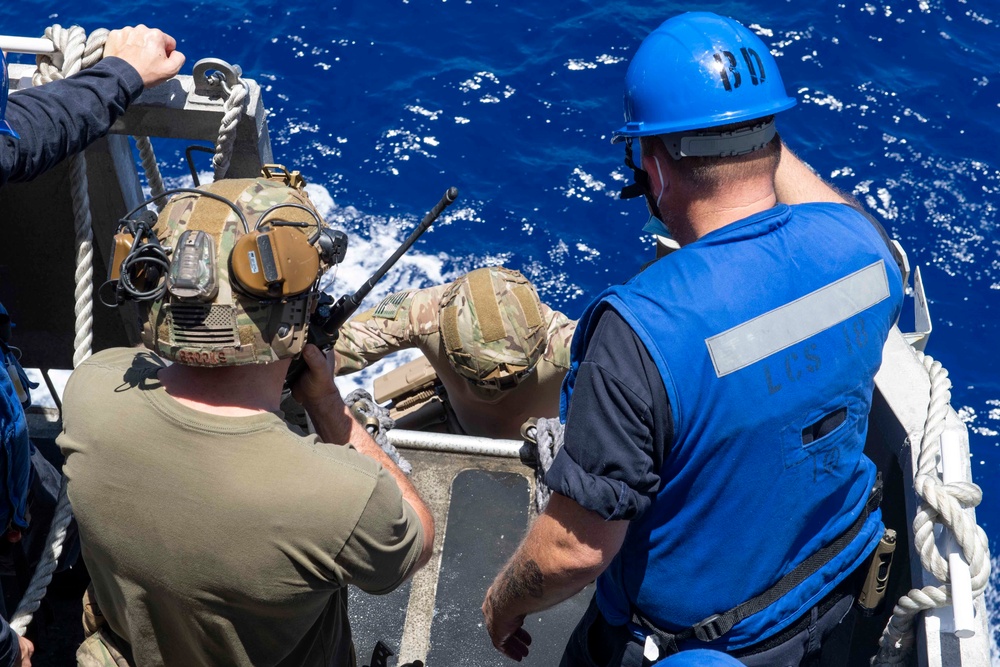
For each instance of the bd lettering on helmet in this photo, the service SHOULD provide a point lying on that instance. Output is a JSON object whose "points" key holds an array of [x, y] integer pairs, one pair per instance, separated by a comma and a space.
{"points": [[729, 68]]}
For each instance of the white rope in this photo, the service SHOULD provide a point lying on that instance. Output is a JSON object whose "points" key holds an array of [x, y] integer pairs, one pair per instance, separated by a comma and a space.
{"points": [[547, 435], [75, 51], [378, 423], [46, 566], [152, 169], [941, 504], [83, 304], [233, 111]]}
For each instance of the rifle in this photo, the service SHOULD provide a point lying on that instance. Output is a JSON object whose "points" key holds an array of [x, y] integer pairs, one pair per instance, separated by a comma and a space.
{"points": [[330, 315]]}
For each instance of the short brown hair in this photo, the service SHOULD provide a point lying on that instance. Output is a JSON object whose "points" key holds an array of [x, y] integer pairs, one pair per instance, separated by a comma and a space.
{"points": [[709, 174]]}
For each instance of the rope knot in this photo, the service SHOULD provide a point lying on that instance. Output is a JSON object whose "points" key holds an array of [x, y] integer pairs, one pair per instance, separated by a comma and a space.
{"points": [[941, 506], [543, 440], [377, 422]]}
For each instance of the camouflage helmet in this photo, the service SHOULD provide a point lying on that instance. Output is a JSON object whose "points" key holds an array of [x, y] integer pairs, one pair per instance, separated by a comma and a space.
{"points": [[492, 327], [228, 324]]}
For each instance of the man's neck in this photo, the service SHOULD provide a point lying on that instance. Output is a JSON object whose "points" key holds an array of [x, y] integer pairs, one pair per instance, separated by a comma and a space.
{"points": [[696, 217], [232, 391]]}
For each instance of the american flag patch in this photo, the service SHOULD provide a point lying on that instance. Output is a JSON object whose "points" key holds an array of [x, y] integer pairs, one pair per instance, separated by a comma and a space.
{"points": [[390, 305]]}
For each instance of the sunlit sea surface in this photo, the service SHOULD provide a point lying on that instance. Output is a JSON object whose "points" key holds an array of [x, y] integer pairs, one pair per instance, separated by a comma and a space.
{"points": [[384, 104]]}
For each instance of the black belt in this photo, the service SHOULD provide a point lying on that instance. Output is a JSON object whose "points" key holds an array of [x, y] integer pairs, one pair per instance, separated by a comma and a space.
{"points": [[717, 625]]}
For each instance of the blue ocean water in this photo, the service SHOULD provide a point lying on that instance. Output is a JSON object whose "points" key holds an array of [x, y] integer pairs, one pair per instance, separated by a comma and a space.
{"points": [[383, 104]]}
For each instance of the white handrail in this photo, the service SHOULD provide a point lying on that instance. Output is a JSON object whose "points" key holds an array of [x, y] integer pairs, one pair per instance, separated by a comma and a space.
{"points": [[953, 471], [35, 45], [456, 444]]}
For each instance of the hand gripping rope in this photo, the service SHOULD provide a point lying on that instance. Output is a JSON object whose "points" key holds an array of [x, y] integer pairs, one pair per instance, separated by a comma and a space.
{"points": [[74, 52]]}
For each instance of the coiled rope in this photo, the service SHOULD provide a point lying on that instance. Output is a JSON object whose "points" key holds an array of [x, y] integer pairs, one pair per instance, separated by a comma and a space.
{"points": [[74, 51], [939, 504], [377, 423], [232, 112], [46, 566]]}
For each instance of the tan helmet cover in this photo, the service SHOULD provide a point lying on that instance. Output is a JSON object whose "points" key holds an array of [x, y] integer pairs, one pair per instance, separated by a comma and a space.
{"points": [[492, 327], [233, 328]]}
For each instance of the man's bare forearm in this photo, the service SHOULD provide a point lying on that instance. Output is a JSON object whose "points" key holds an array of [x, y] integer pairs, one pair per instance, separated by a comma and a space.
{"points": [[556, 561], [523, 588]]}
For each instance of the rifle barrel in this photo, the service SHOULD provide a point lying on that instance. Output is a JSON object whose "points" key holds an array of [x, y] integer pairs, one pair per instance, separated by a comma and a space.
{"points": [[432, 215]]}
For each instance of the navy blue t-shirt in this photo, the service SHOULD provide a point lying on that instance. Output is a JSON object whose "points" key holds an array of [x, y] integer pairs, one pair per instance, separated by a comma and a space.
{"points": [[64, 117], [618, 427]]}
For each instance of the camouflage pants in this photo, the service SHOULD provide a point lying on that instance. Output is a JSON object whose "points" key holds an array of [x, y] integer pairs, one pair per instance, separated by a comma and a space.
{"points": [[101, 647]]}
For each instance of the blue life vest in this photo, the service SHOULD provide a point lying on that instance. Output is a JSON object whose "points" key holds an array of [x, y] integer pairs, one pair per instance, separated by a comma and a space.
{"points": [[15, 447], [767, 334]]}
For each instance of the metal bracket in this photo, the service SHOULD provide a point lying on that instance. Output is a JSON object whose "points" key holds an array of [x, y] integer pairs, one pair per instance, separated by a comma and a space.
{"points": [[214, 77], [292, 179], [921, 315], [902, 260]]}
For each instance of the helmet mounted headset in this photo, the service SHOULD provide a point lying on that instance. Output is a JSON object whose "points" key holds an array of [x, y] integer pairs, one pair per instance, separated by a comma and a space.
{"points": [[5, 127], [695, 72], [228, 273]]}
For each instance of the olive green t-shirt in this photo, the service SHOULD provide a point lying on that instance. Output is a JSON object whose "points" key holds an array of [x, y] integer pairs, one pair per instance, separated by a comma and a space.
{"points": [[223, 540]]}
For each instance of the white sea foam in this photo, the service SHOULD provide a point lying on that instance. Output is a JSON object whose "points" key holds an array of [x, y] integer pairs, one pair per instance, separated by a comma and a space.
{"points": [[822, 99], [578, 64], [582, 184], [402, 145], [421, 111], [489, 83]]}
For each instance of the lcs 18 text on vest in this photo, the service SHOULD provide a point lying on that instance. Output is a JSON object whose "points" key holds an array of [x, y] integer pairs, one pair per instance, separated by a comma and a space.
{"points": [[798, 363]]}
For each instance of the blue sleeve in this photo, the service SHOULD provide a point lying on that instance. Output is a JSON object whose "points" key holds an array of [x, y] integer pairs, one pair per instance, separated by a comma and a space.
{"points": [[64, 117], [10, 649], [618, 426]]}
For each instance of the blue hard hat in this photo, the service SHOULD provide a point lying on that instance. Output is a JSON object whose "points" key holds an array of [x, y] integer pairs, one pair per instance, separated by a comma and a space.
{"points": [[5, 127], [699, 658], [696, 71]]}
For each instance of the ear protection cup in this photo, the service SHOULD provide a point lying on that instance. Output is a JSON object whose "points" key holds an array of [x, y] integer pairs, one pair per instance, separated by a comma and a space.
{"points": [[274, 264]]}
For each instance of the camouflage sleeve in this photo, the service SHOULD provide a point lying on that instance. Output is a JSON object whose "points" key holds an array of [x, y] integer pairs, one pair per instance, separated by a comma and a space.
{"points": [[425, 313], [396, 323], [560, 331]]}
